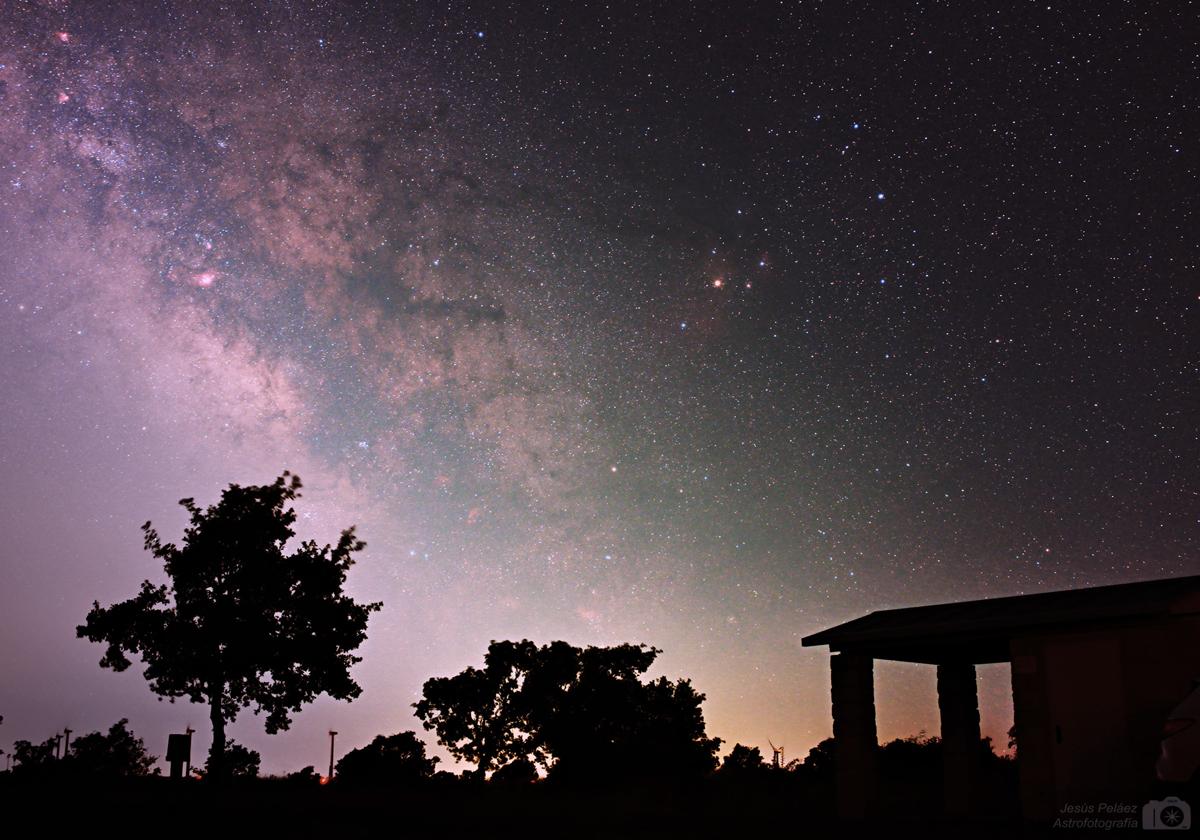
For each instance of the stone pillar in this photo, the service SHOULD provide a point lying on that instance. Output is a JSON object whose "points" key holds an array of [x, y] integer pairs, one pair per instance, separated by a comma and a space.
{"points": [[854, 738], [958, 701]]}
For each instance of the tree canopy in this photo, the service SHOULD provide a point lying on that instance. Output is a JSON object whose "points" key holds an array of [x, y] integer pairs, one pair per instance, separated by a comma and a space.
{"points": [[579, 713], [242, 623], [237, 762], [115, 754], [388, 759], [744, 761], [34, 758], [478, 713]]}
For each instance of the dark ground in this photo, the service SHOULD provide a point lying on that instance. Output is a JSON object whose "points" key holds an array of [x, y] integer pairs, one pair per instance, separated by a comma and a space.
{"points": [[279, 808]]}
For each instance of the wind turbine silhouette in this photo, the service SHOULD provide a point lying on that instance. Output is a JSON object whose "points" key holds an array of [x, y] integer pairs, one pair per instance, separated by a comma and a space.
{"points": [[777, 754]]}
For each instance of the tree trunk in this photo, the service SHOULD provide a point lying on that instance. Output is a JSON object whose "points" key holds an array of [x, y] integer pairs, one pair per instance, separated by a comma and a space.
{"points": [[216, 755]]}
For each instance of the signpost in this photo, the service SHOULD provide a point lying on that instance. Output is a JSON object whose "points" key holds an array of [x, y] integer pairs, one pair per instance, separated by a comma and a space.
{"points": [[179, 753]]}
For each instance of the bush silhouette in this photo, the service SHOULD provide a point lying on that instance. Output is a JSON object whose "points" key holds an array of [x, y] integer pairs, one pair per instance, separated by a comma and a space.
{"points": [[519, 771], [237, 762], [387, 760], [112, 755], [743, 762], [117, 753]]}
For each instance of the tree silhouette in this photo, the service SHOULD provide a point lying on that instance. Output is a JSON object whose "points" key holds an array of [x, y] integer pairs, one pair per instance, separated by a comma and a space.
{"points": [[518, 772], [35, 759], [582, 713], [242, 623], [237, 762], [115, 754], [477, 713], [119, 753], [821, 762], [743, 761], [388, 759], [606, 725], [304, 777]]}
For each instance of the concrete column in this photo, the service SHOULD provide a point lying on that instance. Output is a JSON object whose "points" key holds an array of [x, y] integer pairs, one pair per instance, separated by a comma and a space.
{"points": [[854, 738], [958, 702]]}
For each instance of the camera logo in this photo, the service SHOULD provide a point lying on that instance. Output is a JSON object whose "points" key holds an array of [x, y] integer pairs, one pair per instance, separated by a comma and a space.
{"points": [[1171, 812]]}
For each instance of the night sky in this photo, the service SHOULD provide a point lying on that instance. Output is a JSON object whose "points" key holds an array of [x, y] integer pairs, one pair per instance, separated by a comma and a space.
{"points": [[706, 326]]}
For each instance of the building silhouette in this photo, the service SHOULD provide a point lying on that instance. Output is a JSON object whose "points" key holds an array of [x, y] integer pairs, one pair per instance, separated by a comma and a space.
{"points": [[1095, 672]]}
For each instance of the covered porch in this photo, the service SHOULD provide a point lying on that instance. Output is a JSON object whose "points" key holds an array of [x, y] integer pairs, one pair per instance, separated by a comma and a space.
{"points": [[1094, 672]]}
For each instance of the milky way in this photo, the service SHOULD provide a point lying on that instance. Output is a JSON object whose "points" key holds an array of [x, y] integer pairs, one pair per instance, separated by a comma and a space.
{"points": [[602, 324]]}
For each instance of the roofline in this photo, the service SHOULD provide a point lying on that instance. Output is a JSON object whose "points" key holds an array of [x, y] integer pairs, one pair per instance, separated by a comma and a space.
{"points": [[841, 635]]}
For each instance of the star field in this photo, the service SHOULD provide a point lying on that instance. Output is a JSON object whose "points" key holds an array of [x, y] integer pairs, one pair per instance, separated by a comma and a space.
{"points": [[699, 325]]}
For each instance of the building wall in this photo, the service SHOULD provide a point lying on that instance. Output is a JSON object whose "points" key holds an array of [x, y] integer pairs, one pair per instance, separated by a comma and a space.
{"points": [[1089, 709], [1160, 664], [1089, 737], [1033, 723]]}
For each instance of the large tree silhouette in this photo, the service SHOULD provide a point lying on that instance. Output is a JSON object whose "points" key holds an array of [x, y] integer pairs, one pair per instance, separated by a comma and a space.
{"points": [[605, 725], [242, 623], [387, 760], [584, 714], [478, 713]]}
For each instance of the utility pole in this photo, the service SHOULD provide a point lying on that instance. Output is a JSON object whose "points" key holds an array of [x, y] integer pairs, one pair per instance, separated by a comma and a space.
{"points": [[189, 732], [58, 745], [67, 745], [332, 735]]}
